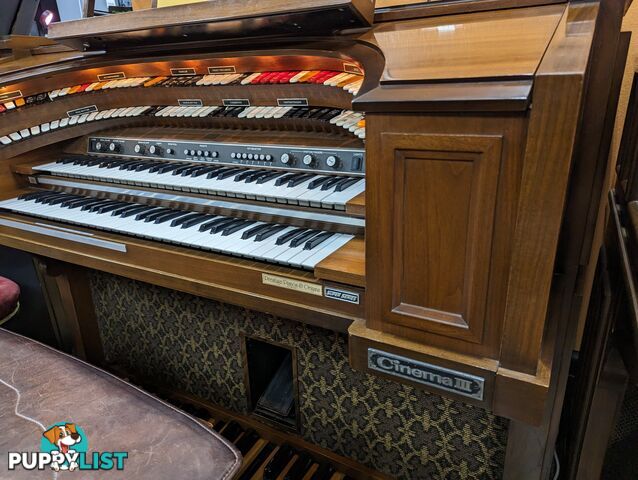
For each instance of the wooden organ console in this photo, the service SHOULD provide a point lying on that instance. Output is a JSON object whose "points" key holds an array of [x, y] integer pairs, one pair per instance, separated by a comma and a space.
{"points": [[408, 177]]}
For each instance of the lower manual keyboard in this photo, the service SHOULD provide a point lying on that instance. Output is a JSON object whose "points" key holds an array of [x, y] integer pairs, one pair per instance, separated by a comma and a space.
{"points": [[270, 242]]}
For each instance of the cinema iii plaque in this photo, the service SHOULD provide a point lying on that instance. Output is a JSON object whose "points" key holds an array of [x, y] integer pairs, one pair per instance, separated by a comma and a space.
{"points": [[420, 372]]}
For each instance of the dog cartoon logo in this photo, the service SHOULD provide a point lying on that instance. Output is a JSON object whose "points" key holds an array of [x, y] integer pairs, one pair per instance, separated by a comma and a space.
{"points": [[66, 440], [65, 447]]}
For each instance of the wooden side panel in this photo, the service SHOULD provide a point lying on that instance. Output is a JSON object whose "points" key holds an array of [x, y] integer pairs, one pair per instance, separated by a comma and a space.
{"points": [[443, 214]]}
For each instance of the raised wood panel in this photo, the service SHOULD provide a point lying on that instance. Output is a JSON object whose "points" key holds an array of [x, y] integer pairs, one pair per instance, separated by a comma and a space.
{"points": [[443, 210]]}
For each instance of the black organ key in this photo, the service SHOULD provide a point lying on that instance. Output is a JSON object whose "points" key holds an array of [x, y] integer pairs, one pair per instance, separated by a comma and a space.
{"points": [[150, 217], [269, 233], [318, 240], [254, 176], [254, 231], [58, 200], [186, 172], [330, 183], [345, 183], [286, 237], [42, 198], [236, 227], [110, 208], [214, 222], [78, 203], [267, 177], [223, 224], [258, 462], [96, 208], [278, 462], [287, 177], [195, 221], [304, 237], [169, 216], [179, 221], [299, 180], [218, 171], [317, 182], [32, 195], [88, 205], [203, 170], [228, 173], [147, 166], [181, 169], [168, 167], [243, 175], [128, 210], [146, 212]]}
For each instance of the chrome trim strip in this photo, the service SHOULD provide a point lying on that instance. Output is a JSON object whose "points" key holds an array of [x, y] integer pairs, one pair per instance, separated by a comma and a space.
{"points": [[65, 234]]}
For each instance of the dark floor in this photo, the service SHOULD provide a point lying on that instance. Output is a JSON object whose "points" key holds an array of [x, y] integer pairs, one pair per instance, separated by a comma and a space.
{"points": [[621, 462]]}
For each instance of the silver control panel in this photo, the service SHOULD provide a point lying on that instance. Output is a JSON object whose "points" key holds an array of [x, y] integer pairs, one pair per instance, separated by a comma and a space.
{"points": [[319, 159]]}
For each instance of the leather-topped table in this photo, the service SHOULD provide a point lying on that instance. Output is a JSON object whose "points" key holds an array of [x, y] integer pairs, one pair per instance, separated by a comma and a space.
{"points": [[41, 387]]}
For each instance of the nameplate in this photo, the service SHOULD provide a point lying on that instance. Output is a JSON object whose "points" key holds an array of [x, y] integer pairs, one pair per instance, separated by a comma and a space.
{"points": [[350, 68], [103, 77], [177, 72], [82, 110], [453, 381], [236, 102], [292, 102], [292, 284], [342, 295], [6, 96], [190, 102], [223, 69]]}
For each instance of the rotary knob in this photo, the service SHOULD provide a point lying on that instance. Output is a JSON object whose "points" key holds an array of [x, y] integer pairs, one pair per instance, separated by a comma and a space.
{"points": [[308, 160], [287, 159], [155, 150], [113, 147], [332, 161], [99, 146], [139, 148]]}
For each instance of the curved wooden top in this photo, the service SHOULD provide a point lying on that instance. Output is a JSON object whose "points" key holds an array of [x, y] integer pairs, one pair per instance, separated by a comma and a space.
{"points": [[505, 44]]}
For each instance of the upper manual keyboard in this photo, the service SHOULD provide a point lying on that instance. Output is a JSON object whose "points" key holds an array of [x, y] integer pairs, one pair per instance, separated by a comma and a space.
{"points": [[277, 186]]}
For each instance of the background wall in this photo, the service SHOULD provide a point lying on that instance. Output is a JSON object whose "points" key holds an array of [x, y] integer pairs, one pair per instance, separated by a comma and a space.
{"points": [[630, 24]]}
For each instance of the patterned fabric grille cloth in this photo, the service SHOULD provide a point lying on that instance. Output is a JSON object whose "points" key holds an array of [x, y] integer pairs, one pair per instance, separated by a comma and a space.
{"points": [[193, 344]]}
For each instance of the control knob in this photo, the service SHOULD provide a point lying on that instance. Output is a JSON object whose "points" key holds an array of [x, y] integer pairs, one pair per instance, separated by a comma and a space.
{"points": [[332, 161], [308, 160], [99, 146], [155, 150], [139, 148], [113, 147], [287, 159]]}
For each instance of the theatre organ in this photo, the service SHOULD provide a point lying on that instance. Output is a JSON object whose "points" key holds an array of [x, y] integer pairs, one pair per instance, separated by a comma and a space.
{"points": [[399, 176]]}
